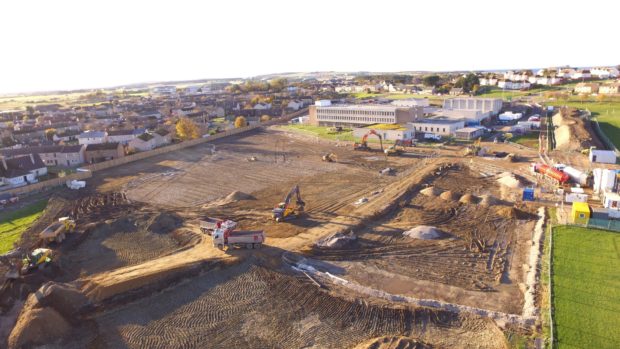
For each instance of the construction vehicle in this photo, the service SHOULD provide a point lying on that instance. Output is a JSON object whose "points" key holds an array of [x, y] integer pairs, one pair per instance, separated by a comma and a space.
{"points": [[363, 145], [57, 231], [404, 143], [8, 199], [287, 209], [394, 150], [474, 149], [330, 157], [209, 225], [37, 259], [227, 236], [334, 130]]}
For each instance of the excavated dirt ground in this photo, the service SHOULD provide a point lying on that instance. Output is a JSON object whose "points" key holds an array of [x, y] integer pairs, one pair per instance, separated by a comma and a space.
{"points": [[153, 280]]}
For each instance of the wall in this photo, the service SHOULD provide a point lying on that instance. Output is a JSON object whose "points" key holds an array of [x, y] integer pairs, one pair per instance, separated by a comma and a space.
{"points": [[147, 154]]}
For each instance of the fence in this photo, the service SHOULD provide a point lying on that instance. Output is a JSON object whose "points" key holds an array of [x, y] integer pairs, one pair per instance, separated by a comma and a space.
{"points": [[143, 155], [599, 223]]}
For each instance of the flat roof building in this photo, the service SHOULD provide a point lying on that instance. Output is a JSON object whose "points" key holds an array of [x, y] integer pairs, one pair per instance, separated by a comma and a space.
{"points": [[365, 114], [442, 127], [486, 106], [469, 133]]}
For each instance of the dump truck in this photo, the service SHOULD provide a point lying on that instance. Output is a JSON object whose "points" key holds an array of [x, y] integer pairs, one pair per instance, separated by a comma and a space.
{"points": [[208, 225], [57, 231], [226, 237]]}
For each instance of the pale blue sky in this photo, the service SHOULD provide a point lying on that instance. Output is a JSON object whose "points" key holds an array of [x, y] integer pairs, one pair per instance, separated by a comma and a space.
{"points": [[80, 44]]}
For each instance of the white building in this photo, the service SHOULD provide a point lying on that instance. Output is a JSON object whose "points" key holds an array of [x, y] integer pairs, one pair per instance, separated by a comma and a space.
{"points": [[362, 114], [513, 85], [412, 102], [164, 90], [405, 132], [93, 137], [442, 127]]}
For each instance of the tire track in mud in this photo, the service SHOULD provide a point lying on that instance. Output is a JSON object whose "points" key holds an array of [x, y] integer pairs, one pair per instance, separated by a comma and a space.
{"points": [[257, 308]]}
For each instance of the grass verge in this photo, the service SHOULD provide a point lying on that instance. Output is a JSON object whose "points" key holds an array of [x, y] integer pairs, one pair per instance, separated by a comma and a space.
{"points": [[15, 223]]}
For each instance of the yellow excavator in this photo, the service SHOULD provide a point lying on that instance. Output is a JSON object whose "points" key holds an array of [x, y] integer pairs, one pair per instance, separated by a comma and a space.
{"points": [[394, 149], [288, 209], [37, 259], [330, 157], [474, 149]]}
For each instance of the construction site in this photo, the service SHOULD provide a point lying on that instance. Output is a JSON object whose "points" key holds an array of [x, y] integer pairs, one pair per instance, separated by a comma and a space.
{"points": [[274, 239]]}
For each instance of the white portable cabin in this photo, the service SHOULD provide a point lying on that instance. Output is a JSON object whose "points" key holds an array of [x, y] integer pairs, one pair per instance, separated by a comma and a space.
{"points": [[604, 180], [602, 156], [611, 202]]}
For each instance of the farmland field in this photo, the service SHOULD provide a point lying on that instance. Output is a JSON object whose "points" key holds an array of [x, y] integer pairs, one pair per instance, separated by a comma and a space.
{"points": [[586, 287]]}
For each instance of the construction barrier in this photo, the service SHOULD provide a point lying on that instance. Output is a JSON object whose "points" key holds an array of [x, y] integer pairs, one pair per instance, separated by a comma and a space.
{"points": [[146, 154]]}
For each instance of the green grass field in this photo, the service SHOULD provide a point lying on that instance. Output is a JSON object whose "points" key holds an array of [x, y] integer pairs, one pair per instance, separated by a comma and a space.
{"points": [[528, 140], [321, 132], [15, 223], [586, 287]]}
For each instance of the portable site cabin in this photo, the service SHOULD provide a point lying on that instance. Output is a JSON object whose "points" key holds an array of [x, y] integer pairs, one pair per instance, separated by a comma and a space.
{"points": [[602, 156], [580, 213], [528, 194], [611, 201]]}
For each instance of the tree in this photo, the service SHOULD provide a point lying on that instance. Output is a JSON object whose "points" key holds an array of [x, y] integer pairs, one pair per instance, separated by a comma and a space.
{"points": [[467, 82], [30, 111], [265, 118], [431, 80], [10, 125], [25, 118], [40, 119], [240, 121], [49, 133], [187, 129], [278, 84]]}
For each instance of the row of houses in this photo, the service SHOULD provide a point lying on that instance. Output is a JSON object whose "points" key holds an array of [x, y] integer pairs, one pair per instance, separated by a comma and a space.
{"points": [[592, 87]]}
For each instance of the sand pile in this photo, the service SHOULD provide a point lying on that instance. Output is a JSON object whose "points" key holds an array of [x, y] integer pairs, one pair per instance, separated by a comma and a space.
{"points": [[237, 196], [425, 232], [37, 325], [468, 199], [487, 200], [448, 196], [510, 181], [430, 191], [338, 240], [164, 223]]}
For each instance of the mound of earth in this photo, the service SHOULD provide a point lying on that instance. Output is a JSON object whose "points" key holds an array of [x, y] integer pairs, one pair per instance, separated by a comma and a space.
{"points": [[510, 181], [430, 191], [237, 196], [468, 199], [164, 223], [448, 196], [64, 298], [425, 232], [392, 342], [511, 212], [338, 240], [37, 325]]}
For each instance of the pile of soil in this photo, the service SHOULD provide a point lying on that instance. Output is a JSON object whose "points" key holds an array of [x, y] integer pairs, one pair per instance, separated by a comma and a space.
{"points": [[448, 196], [430, 191], [468, 199], [338, 240], [511, 212], [237, 196], [510, 181], [66, 299], [37, 325], [573, 133], [164, 223], [425, 232]]}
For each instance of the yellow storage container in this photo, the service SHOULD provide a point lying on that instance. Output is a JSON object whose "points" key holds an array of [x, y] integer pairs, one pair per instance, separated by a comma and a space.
{"points": [[580, 213]]}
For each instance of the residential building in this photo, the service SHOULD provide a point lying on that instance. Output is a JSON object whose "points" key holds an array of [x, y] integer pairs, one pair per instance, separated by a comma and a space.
{"points": [[51, 155], [66, 136], [93, 137], [21, 170], [490, 81], [442, 127], [164, 90], [97, 152], [124, 136], [428, 90], [604, 72], [581, 74], [150, 140], [362, 114], [456, 91], [513, 85], [586, 88], [609, 89]]}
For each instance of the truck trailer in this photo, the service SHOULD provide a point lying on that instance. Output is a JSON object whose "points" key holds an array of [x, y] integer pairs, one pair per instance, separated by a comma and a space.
{"points": [[223, 237]]}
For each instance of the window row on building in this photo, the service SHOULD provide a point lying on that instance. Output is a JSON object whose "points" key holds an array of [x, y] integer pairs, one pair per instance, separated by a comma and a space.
{"points": [[365, 119], [354, 112]]}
